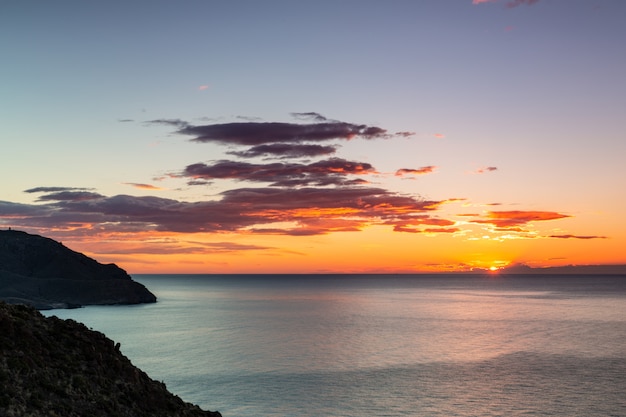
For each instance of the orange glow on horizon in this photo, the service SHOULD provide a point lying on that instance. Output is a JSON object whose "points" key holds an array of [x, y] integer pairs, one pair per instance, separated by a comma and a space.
{"points": [[308, 212], [346, 243]]}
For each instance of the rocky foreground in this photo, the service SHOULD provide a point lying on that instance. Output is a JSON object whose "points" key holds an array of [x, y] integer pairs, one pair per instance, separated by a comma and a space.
{"points": [[53, 367], [43, 273]]}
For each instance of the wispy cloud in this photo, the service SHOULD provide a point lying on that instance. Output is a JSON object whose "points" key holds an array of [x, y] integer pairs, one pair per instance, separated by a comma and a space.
{"points": [[429, 230], [517, 218], [509, 4], [485, 170], [423, 224], [181, 124], [175, 247], [55, 189], [415, 171], [285, 150], [514, 3], [577, 237], [143, 186], [309, 116]]}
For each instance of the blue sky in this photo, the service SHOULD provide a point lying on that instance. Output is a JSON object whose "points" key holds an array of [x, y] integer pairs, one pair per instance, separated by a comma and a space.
{"points": [[515, 105]]}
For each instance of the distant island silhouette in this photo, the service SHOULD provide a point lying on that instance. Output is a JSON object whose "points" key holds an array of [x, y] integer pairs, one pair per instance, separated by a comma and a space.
{"points": [[44, 274], [567, 269]]}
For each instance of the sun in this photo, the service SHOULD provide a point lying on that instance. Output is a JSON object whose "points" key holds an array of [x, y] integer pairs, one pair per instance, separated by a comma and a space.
{"points": [[494, 270]]}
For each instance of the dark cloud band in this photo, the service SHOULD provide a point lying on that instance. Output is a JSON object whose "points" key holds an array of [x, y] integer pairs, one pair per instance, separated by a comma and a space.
{"points": [[325, 172], [285, 150], [258, 133], [310, 210], [55, 189]]}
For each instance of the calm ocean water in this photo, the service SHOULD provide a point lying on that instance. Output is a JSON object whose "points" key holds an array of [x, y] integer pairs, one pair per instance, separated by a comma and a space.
{"points": [[380, 345]]}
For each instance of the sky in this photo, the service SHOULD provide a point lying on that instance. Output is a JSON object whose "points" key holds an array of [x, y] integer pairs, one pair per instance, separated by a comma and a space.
{"points": [[317, 137]]}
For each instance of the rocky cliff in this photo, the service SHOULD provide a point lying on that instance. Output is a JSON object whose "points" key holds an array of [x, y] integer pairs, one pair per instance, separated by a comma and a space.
{"points": [[54, 367], [43, 273]]}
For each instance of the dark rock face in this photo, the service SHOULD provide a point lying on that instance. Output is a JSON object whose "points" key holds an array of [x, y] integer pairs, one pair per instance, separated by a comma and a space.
{"points": [[41, 272], [54, 367]]}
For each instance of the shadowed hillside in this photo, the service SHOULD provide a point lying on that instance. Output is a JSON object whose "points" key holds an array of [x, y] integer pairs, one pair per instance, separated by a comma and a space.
{"points": [[41, 272], [54, 367]]}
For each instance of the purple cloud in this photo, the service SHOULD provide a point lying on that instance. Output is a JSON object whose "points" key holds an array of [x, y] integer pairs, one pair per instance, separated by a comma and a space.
{"points": [[515, 3], [70, 196], [285, 150], [55, 189], [258, 133], [302, 199], [310, 116], [325, 172], [243, 210], [180, 124]]}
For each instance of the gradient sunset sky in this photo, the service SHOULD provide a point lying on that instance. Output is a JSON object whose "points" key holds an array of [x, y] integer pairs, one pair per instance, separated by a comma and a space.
{"points": [[314, 137]]}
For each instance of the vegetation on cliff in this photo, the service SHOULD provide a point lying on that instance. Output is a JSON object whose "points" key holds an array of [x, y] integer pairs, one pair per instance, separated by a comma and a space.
{"points": [[43, 273], [54, 367]]}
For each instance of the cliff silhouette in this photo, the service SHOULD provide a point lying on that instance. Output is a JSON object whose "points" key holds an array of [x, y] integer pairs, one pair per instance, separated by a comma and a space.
{"points": [[43, 273]]}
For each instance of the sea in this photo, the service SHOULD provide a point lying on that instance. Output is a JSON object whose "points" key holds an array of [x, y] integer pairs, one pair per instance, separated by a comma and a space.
{"points": [[379, 345]]}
